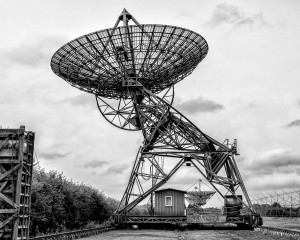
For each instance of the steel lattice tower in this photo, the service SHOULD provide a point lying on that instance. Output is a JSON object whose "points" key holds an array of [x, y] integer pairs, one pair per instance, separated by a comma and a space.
{"points": [[16, 163]]}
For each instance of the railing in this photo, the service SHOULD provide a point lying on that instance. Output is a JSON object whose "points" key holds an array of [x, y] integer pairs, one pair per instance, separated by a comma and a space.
{"points": [[151, 219], [74, 234]]}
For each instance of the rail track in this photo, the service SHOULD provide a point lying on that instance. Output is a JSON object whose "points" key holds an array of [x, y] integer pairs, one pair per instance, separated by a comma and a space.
{"points": [[279, 232], [74, 234]]}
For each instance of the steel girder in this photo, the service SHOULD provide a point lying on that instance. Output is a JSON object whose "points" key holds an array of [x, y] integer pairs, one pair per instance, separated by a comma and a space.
{"points": [[170, 135]]}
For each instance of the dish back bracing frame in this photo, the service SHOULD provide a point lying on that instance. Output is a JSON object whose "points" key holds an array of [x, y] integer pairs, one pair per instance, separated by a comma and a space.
{"points": [[16, 162]]}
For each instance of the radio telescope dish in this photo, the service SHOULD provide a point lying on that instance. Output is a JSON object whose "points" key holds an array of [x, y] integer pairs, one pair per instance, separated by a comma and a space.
{"points": [[132, 70], [106, 62]]}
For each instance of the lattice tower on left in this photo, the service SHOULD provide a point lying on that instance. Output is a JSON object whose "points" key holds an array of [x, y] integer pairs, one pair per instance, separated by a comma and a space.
{"points": [[16, 163]]}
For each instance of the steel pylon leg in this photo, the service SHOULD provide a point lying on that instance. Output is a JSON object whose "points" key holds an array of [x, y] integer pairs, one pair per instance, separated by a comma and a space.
{"points": [[169, 134]]}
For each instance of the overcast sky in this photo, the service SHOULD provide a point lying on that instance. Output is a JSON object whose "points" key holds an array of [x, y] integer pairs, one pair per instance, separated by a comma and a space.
{"points": [[247, 87]]}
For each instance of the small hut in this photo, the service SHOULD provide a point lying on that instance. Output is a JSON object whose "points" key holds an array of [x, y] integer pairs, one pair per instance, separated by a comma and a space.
{"points": [[169, 202]]}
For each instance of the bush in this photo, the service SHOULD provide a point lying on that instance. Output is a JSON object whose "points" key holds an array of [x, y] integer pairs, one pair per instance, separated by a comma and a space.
{"points": [[59, 204]]}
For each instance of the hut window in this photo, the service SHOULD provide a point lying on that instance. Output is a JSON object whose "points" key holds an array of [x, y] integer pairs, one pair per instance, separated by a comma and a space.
{"points": [[168, 201]]}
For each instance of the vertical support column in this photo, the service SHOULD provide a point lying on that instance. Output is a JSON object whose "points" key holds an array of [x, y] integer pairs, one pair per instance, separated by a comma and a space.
{"points": [[16, 163], [20, 147]]}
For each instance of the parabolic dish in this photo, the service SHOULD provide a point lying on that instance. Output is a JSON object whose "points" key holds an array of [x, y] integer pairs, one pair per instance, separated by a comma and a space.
{"points": [[199, 198], [156, 56]]}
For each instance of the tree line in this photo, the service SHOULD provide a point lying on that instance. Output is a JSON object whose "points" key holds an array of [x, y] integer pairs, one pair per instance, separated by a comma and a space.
{"points": [[59, 204], [276, 210]]}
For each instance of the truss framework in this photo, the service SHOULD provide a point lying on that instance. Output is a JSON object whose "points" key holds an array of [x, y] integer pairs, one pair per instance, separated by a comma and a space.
{"points": [[170, 136], [16, 162]]}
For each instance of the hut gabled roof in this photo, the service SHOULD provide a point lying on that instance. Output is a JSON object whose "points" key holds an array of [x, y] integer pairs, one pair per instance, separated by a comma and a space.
{"points": [[164, 189]]}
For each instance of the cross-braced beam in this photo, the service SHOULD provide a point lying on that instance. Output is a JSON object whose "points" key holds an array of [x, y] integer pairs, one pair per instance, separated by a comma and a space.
{"points": [[170, 135]]}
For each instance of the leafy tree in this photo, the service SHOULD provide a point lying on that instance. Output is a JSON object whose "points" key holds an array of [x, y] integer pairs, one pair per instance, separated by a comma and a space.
{"points": [[59, 204]]}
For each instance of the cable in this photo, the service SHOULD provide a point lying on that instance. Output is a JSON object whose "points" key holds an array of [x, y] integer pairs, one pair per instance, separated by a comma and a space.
{"points": [[214, 191], [192, 185]]}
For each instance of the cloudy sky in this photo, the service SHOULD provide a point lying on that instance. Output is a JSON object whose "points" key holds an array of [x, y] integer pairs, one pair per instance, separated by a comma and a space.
{"points": [[247, 87]]}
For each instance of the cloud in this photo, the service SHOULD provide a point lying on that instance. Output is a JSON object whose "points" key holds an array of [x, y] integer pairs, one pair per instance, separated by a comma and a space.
{"points": [[230, 14], [295, 123], [273, 170], [117, 168], [298, 101], [94, 164], [200, 104], [275, 161], [37, 49], [276, 182], [85, 99], [53, 155]]}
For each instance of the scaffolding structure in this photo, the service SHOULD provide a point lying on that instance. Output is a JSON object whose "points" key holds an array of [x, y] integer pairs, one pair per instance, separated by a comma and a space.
{"points": [[16, 163], [278, 204]]}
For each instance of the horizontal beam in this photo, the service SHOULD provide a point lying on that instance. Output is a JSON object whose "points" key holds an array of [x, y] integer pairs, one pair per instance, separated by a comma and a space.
{"points": [[8, 161], [8, 211], [6, 132], [9, 153]]}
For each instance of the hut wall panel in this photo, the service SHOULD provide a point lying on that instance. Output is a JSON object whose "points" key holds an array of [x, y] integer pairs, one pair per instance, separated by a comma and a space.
{"points": [[177, 208]]}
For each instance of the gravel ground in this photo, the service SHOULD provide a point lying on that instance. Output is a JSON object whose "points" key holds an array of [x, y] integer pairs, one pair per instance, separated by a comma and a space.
{"points": [[181, 235], [289, 223]]}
